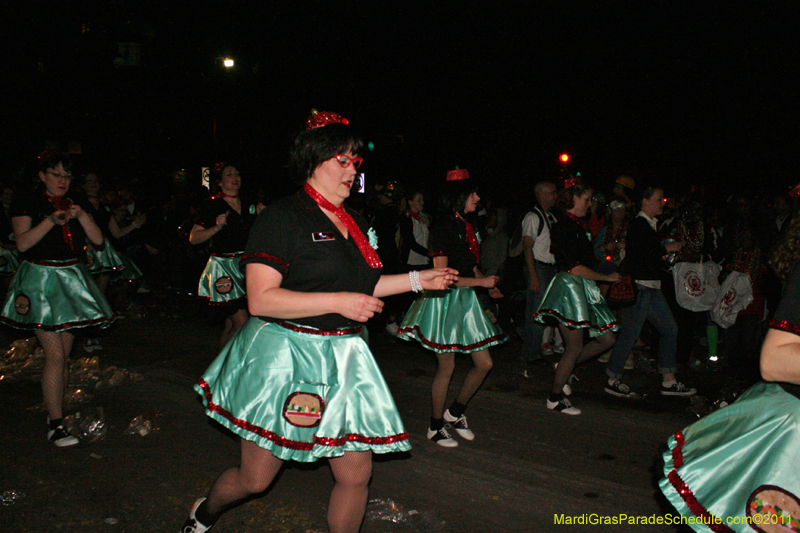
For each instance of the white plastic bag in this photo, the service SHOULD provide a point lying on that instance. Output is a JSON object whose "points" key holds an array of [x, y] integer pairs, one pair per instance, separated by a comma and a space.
{"points": [[734, 296], [696, 285]]}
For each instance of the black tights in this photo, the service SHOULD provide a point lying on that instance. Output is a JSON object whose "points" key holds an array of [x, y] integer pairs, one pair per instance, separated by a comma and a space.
{"points": [[575, 353]]}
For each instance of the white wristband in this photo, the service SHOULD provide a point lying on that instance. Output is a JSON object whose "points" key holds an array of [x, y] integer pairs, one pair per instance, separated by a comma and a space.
{"points": [[413, 278]]}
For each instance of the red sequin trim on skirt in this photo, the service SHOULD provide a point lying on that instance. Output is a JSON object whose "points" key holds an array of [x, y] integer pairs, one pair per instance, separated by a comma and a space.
{"points": [[712, 522], [294, 444]]}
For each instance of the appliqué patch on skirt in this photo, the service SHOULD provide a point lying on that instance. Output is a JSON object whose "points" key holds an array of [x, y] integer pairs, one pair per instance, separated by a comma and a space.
{"points": [[224, 285], [22, 304], [303, 409], [772, 508]]}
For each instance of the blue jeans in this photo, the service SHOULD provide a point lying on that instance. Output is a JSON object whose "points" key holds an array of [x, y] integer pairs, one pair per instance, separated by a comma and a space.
{"points": [[651, 306], [533, 332]]}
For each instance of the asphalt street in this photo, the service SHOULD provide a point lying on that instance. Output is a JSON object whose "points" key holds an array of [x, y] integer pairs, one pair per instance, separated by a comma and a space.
{"points": [[528, 469]]}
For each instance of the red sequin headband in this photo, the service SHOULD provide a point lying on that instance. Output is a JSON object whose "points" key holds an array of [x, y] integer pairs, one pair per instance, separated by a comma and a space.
{"points": [[572, 181], [457, 174], [323, 118], [219, 166], [795, 192]]}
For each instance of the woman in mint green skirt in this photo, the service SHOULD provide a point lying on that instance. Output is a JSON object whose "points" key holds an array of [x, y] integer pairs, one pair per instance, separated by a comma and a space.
{"points": [[53, 292], [736, 468], [452, 321], [297, 381], [573, 299]]}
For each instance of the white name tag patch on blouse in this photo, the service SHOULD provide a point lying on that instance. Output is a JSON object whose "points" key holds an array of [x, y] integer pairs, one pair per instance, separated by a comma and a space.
{"points": [[322, 236]]}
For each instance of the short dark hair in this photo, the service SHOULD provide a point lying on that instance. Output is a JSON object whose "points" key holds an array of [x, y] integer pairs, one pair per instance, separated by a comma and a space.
{"points": [[455, 194], [315, 146], [51, 159]]}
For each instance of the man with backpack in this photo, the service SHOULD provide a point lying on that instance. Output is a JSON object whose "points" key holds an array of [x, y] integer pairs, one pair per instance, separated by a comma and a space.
{"points": [[540, 269]]}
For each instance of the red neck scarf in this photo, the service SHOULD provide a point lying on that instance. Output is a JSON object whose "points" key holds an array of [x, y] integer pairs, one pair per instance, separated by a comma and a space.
{"points": [[472, 239], [418, 217], [223, 195], [579, 220], [352, 228], [61, 203]]}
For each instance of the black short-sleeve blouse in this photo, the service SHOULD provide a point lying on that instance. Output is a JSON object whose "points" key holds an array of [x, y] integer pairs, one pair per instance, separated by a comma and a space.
{"points": [[233, 235], [787, 316], [449, 238], [61, 242], [570, 244], [297, 239]]}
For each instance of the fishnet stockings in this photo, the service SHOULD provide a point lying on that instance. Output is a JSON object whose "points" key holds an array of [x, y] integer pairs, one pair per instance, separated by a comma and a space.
{"points": [[255, 473], [348, 502], [259, 467], [56, 346]]}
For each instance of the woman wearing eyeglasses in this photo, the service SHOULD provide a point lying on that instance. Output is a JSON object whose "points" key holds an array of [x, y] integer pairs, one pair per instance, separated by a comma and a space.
{"points": [[454, 321], [297, 381], [53, 292], [224, 222]]}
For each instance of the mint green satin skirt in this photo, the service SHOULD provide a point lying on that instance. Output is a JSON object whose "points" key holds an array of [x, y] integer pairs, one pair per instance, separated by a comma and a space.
{"points": [[577, 303], [302, 394], [105, 260], [55, 296], [739, 461], [9, 261], [452, 320], [222, 281], [130, 272]]}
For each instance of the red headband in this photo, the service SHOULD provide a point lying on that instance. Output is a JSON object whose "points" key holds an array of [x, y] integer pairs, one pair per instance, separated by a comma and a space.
{"points": [[323, 118], [795, 192], [572, 181], [457, 174]]}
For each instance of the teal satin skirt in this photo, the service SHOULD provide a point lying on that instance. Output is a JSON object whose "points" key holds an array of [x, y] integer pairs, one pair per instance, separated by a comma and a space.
{"points": [[576, 303], [130, 272], [55, 296], [452, 320], [222, 281], [739, 461], [9, 261], [105, 260], [302, 393]]}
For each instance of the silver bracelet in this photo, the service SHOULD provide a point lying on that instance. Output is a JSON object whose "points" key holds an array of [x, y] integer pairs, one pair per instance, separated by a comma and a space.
{"points": [[413, 278]]}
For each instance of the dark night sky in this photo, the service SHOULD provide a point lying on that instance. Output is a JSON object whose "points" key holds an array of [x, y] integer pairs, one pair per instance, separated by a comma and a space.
{"points": [[680, 93]]}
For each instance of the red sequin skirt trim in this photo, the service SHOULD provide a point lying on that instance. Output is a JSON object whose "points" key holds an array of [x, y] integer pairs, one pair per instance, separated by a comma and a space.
{"points": [[292, 444]]}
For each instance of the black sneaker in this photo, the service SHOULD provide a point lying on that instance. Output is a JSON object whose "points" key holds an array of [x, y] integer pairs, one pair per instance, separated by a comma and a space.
{"points": [[192, 525], [678, 389], [563, 406], [61, 438], [442, 437], [460, 425], [620, 390]]}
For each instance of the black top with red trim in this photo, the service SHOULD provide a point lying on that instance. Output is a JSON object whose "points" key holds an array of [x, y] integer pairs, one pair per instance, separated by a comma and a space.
{"points": [[54, 245], [449, 238], [571, 244], [297, 239], [787, 316], [232, 237]]}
